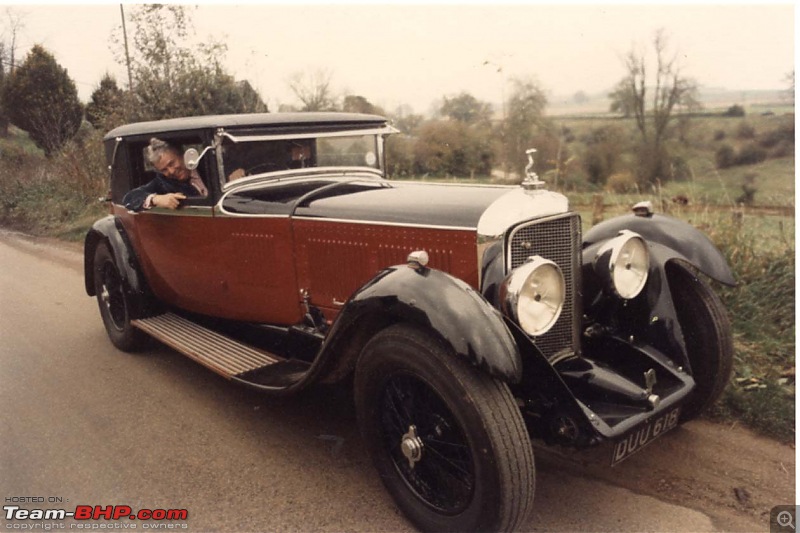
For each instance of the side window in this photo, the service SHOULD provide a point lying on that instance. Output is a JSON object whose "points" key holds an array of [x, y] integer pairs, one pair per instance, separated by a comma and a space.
{"points": [[120, 175], [143, 171]]}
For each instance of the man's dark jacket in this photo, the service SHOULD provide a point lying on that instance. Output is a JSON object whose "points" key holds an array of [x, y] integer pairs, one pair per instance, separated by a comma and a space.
{"points": [[134, 200]]}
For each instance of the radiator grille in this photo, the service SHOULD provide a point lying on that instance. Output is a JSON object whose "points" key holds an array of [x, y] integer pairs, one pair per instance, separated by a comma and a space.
{"points": [[559, 240]]}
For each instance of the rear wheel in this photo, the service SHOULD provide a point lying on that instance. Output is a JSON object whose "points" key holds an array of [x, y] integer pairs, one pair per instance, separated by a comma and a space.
{"points": [[707, 334], [448, 440], [114, 302]]}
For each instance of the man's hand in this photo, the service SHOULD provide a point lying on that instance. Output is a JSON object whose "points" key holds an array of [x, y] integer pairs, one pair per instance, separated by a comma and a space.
{"points": [[237, 174], [170, 201]]}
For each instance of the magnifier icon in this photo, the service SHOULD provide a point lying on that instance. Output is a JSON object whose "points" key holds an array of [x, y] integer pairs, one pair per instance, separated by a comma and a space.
{"points": [[785, 519]]}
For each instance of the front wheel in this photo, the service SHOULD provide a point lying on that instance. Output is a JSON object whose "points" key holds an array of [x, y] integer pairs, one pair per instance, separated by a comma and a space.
{"points": [[707, 334], [448, 441], [114, 302]]}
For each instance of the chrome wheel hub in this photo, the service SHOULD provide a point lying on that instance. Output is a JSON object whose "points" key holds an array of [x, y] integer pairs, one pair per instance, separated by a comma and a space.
{"points": [[411, 446], [105, 297]]}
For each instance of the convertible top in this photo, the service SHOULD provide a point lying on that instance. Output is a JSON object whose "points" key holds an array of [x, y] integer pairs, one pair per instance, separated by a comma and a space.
{"points": [[252, 120]]}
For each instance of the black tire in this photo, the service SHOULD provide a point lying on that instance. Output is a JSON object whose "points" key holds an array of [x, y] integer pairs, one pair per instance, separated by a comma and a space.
{"points": [[707, 334], [474, 470], [114, 302]]}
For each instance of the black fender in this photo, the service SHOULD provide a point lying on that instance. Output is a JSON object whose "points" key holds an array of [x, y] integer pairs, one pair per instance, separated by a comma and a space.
{"points": [[431, 299], [685, 241], [651, 317], [109, 231]]}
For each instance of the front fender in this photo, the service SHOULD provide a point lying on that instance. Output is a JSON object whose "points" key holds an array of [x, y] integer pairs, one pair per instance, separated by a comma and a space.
{"points": [[443, 305], [685, 241], [110, 231]]}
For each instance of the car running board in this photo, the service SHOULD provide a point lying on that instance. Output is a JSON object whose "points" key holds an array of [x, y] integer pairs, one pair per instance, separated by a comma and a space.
{"points": [[225, 356]]}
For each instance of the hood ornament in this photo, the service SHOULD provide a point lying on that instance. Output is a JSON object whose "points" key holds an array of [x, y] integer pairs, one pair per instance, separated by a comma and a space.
{"points": [[531, 181]]}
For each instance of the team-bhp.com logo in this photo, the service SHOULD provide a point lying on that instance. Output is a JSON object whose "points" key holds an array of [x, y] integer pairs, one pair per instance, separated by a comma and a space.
{"points": [[96, 512]]}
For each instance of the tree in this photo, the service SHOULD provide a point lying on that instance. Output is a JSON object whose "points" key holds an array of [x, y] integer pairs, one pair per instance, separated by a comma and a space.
{"points": [[622, 99], [313, 89], [358, 104], [467, 109], [8, 50], [105, 109], [405, 120], [42, 100], [670, 91], [452, 148], [789, 79], [173, 77], [524, 117]]}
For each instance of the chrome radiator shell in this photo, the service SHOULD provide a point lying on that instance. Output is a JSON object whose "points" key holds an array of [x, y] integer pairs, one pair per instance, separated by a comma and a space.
{"points": [[557, 238]]}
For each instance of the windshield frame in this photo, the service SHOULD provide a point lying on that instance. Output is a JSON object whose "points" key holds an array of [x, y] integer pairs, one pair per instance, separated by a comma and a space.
{"points": [[379, 135]]}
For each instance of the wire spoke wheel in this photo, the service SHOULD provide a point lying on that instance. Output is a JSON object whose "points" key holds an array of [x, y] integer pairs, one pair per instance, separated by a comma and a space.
{"points": [[448, 440], [442, 475]]}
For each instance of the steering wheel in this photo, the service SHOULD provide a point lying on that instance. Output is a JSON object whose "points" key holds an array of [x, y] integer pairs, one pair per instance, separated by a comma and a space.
{"points": [[266, 167]]}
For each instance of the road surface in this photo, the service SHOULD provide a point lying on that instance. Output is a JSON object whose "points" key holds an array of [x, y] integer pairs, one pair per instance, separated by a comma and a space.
{"points": [[85, 424]]}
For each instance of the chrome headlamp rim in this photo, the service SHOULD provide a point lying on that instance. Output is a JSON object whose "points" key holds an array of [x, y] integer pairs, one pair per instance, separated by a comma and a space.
{"points": [[520, 293], [626, 270]]}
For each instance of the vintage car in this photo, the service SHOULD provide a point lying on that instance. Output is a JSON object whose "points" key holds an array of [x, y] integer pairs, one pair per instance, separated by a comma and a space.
{"points": [[468, 319]]}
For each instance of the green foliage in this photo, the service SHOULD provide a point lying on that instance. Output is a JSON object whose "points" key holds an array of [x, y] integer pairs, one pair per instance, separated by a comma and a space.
{"points": [[172, 79], [467, 109], [42, 99], [654, 113], [107, 106], [761, 307], [524, 117], [623, 100], [750, 154], [47, 195], [358, 104], [735, 111], [400, 156], [603, 153], [451, 148], [4, 120], [745, 131], [725, 156], [405, 120]]}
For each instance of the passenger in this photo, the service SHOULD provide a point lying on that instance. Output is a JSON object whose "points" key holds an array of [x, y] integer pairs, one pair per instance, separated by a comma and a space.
{"points": [[174, 182]]}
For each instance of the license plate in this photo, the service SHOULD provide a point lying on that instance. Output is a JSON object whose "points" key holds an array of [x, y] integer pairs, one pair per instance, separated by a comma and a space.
{"points": [[644, 435]]}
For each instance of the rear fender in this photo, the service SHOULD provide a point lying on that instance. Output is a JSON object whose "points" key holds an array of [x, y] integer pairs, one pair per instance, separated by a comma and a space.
{"points": [[437, 302]]}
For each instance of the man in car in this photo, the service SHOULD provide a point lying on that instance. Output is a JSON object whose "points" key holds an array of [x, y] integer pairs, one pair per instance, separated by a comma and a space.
{"points": [[174, 182]]}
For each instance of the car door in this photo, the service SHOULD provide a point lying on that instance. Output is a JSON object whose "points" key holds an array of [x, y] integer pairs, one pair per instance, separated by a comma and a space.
{"points": [[255, 271], [172, 245]]}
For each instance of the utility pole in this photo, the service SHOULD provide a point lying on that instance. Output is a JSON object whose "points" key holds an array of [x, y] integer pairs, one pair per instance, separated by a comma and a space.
{"points": [[127, 55]]}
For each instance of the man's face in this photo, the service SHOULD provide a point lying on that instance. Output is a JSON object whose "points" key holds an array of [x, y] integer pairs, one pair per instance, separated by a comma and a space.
{"points": [[171, 166]]}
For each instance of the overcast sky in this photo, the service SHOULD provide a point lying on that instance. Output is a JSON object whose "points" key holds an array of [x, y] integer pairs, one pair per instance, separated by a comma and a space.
{"points": [[416, 53]]}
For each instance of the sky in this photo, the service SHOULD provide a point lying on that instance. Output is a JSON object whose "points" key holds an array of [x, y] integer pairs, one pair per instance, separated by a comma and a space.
{"points": [[415, 53]]}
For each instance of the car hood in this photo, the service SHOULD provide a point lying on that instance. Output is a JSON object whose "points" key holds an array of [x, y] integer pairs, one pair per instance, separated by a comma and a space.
{"points": [[427, 204]]}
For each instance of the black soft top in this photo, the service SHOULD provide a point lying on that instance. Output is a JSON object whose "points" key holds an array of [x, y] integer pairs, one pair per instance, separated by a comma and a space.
{"points": [[250, 121]]}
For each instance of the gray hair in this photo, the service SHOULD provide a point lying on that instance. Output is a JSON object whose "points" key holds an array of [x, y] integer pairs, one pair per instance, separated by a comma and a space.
{"points": [[157, 148]]}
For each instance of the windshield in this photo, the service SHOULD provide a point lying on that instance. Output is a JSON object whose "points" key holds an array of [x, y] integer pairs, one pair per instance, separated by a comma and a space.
{"points": [[257, 156]]}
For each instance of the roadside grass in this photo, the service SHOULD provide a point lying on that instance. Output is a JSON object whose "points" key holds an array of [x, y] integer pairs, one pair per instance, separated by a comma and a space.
{"points": [[55, 196]]}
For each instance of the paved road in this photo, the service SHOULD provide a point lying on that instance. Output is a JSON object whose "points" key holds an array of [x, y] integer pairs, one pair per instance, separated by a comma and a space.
{"points": [[84, 422]]}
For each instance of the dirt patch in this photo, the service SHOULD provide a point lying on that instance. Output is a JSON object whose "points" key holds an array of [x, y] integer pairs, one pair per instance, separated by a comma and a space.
{"points": [[727, 472]]}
